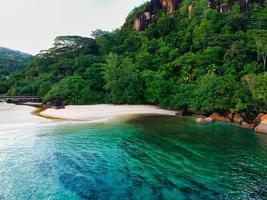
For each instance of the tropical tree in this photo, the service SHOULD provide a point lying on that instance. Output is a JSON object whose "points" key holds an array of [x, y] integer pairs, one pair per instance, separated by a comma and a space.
{"points": [[123, 82]]}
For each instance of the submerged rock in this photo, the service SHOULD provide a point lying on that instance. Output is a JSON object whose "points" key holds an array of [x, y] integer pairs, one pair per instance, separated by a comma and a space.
{"points": [[202, 120], [209, 119]]}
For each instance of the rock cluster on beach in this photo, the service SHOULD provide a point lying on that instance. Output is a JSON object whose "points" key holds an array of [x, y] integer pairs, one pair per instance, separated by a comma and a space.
{"points": [[259, 123], [262, 127]]}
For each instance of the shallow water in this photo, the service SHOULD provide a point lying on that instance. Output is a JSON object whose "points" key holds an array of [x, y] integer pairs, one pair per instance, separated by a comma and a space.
{"points": [[152, 157]]}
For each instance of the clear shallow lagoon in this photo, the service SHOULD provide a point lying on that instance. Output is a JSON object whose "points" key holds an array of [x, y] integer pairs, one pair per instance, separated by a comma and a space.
{"points": [[146, 158]]}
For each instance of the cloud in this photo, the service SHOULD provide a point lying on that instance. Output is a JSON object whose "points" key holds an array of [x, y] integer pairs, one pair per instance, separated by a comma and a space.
{"points": [[31, 25]]}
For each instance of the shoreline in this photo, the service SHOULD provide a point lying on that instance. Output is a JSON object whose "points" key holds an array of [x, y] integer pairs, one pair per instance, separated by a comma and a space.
{"points": [[19, 114], [101, 112], [16, 114]]}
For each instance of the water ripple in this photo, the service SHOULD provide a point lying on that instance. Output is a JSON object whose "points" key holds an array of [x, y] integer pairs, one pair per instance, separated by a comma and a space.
{"points": [[147, 158]]}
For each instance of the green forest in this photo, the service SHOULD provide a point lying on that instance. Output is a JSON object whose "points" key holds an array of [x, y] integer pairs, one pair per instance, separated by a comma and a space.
{"points": [[202, 60], [10, 61]]}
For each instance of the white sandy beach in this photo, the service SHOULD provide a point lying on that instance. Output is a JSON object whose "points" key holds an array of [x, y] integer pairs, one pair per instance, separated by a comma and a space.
{"points": [[103, 112], [12, 114], [16, 114]]}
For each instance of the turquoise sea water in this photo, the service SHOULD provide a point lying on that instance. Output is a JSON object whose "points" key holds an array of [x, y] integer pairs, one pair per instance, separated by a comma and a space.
{"points": [[152, 157]]}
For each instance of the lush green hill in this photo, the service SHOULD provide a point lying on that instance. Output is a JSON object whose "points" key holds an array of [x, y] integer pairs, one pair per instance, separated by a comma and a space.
{"points": [[193, 57], [11, 60]]}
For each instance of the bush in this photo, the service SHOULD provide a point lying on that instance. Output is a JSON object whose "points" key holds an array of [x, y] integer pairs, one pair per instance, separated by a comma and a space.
{"points": [[68, 89]]}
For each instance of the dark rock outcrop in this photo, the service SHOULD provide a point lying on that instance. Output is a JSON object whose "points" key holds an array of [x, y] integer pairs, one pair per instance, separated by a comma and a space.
{"points": [[142, 22], [170, 5], [144, 19], [56, 103], [202, 120], [222, 6], [183, 112]]}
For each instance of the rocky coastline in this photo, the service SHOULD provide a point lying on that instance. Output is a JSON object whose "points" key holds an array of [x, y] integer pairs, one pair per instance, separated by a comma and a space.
{"points": [[259, 123]]}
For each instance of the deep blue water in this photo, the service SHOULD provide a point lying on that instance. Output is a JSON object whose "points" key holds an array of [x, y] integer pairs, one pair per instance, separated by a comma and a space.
{"points": [[152, 157]]}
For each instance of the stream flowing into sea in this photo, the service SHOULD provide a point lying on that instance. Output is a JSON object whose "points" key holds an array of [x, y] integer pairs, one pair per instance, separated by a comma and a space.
{"points": [[149, 157]]}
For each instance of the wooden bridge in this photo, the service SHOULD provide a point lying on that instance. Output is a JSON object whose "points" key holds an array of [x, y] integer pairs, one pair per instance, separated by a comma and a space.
{"points": [[20, 99]]}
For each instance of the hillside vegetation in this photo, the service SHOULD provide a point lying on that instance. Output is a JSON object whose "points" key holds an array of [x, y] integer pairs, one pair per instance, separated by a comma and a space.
{"points": [[11, 61], [198, 59]]}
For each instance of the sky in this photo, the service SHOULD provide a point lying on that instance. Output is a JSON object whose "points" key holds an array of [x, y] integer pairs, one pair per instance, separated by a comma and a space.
{"points": [[32, 25]]}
